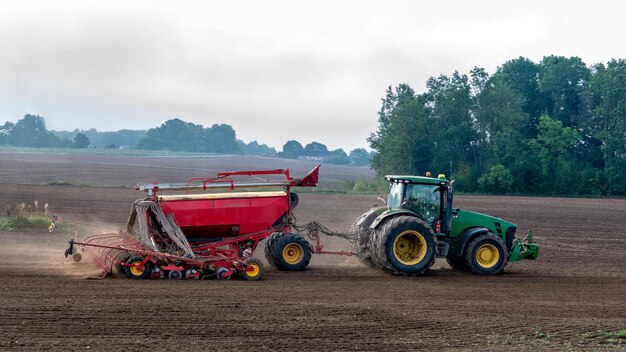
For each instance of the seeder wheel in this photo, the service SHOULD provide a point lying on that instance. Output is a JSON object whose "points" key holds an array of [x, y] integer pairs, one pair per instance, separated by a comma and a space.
{"points": [[253, 270], [137, 270], [290, 252], [175, 275]]}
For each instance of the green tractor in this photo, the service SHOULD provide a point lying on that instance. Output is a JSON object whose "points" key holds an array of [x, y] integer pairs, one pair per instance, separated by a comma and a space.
{"points": [[419, 224]]}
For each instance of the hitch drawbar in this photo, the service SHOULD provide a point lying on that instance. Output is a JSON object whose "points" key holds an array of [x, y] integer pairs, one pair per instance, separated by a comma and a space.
{"points": [[524, 249]]}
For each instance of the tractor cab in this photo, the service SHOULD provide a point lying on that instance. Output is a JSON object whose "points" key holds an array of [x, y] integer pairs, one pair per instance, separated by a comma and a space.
{"points": [[427, 197]]}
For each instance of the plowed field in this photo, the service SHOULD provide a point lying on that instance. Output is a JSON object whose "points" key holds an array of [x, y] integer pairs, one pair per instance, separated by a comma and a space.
{"points": [[572, 297]]}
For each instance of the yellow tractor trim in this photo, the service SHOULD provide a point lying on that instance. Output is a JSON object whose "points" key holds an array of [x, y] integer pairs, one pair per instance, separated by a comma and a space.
{"points": [[487, 256]]}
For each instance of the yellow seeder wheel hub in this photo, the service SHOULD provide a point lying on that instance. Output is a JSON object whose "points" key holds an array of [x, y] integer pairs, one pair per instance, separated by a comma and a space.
{"points": [[136, 268], [253, 270], [293, 253], [487, 256], [410, 247]]}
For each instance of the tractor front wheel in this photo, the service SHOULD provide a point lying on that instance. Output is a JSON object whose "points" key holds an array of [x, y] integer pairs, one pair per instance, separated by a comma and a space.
{"points": [[404, 245], [290, 252], [486, 254]]}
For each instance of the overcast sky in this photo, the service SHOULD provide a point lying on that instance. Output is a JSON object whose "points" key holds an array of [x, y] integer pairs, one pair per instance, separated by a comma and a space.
{"points": [[274, 70]]}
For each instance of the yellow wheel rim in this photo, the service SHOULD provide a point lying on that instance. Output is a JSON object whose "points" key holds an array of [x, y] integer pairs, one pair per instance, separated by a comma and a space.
{"points": [[136, 268], [487, 256], [293, 253], [410, 247], [253, 270]]}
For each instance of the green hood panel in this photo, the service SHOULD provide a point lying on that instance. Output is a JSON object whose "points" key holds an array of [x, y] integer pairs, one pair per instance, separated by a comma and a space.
{"points": [[465, 219]]}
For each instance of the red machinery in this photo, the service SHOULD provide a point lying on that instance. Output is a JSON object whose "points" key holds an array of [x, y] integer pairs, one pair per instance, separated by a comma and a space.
{"points": [[212, 229]]}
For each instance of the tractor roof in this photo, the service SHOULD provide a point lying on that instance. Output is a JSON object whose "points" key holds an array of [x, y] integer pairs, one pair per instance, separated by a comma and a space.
{"points": [[418, 179]]}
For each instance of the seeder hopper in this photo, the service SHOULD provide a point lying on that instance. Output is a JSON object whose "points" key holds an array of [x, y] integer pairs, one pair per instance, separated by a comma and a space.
{"points": [[210, 227]]}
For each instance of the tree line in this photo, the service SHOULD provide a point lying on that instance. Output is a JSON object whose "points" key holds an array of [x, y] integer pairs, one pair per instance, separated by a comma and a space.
{"points": [[554, 127], [173, 135]]}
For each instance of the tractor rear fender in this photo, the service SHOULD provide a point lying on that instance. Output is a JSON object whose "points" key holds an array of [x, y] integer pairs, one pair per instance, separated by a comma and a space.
{"points": [[389, 214], [466, 238], [368, 218]]}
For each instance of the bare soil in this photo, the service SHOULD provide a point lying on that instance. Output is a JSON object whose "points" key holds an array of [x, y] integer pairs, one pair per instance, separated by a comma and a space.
{"points": [[571, 298]]}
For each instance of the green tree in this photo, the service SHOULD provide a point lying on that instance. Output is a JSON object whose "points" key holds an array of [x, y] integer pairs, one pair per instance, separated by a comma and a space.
{"points": [[565, 80], [404, 141], [498, 180], [553, 148], [452, 104], [291, 150], [522, 76], [81, 141], [607, 124]]}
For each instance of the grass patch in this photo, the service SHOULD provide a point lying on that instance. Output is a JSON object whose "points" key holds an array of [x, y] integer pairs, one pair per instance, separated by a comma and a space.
{"points": [[60, 183], [29, 216], [16, 223]]}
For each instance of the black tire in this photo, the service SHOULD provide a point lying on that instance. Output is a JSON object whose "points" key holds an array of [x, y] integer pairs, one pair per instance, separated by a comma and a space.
{"points": [[123, 258], [486, 254], [175, 275], [456, 262], [269, 247], [360, 242], [254, 270], [134, 272], [291, 252], [404, 245]]}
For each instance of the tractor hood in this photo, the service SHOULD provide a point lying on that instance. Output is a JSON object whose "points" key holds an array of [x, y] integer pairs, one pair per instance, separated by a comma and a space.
{"points": [[464, 219]]}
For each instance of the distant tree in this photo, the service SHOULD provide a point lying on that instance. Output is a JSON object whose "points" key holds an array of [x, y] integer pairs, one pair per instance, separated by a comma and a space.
{"points": [[30, 131], [5, 131], [175, 135], [81, 141], [359, 157], [221, 138], [178, 135], [315, 149], [254, 148], [291, 150], [338, 157]]}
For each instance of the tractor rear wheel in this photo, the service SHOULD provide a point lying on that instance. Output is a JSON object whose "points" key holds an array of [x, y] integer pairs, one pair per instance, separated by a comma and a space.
{"points": [[361, 236], [136, 270], [404, 245], [253, 270], [486, 254], [290, 252]]}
